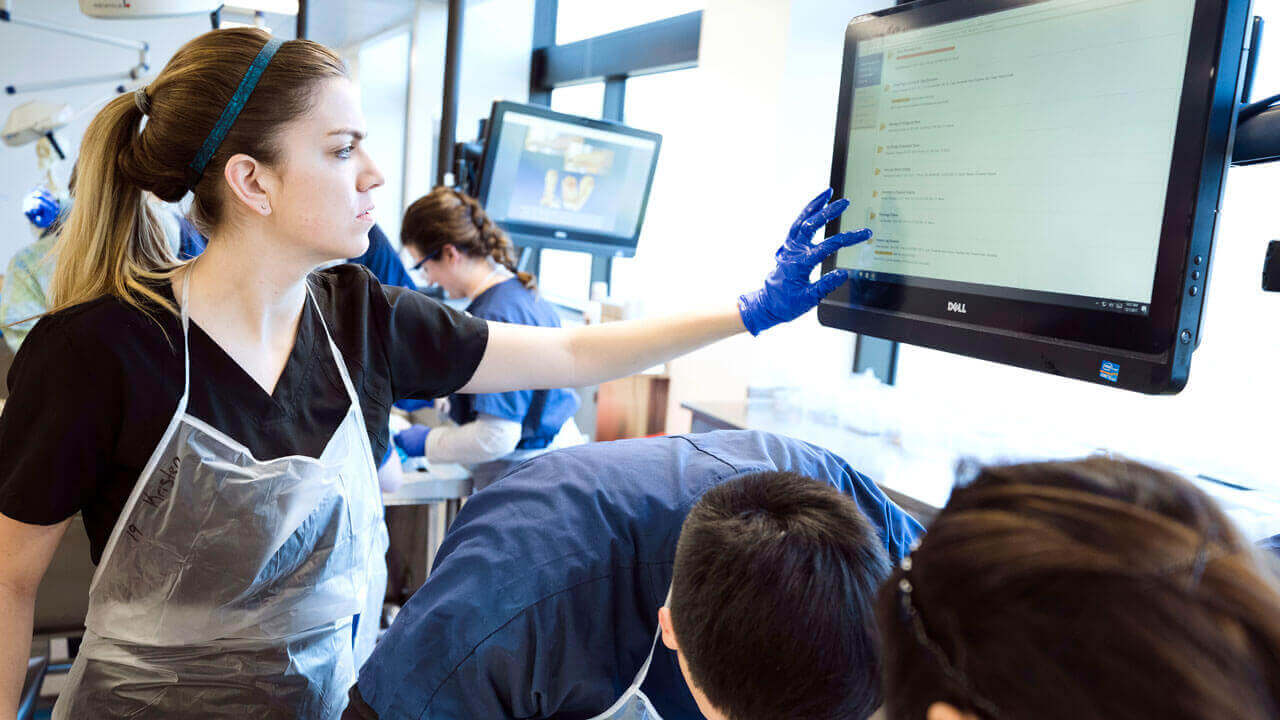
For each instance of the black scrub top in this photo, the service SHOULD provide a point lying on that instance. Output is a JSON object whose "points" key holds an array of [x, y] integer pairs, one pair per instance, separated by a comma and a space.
{"points": [[94, 388]]}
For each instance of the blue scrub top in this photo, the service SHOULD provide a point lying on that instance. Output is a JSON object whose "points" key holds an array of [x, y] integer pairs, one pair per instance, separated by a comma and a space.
{"points": [[541, 413], [383, 261], [543, 599], [190, 242]]}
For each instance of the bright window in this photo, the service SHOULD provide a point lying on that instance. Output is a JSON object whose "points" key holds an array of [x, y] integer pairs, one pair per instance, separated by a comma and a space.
{"points": [[659, 103], [581, 19], [586, 100], [564, 276]]}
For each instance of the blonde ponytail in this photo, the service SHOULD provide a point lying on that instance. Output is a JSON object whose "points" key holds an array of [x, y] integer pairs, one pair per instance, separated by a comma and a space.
{"points": [[112, 244]]}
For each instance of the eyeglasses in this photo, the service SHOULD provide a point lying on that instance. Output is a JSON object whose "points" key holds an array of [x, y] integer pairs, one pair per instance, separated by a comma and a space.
{"points": [[418, 265]]}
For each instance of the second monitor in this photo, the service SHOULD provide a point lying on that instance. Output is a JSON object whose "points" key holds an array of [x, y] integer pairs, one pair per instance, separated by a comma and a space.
{"points": [[568, 182]]}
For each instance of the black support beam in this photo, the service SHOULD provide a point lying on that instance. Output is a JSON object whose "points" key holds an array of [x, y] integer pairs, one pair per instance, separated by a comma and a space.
{"points": [[301, 31], [449, 104], [670, 44], [615, 98], [544, 36]]}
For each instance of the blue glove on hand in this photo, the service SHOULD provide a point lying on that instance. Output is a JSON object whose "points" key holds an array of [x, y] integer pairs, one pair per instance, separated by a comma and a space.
{"points": [[414, 405], [413, 441], [787, 293]]}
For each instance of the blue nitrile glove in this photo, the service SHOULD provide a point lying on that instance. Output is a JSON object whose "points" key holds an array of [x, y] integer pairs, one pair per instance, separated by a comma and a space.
{"points": [[414, 405], [787, 293], [41, 207], [413, 441]]}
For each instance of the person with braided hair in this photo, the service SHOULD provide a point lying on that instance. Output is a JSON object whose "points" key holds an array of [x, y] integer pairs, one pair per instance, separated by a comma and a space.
{"points": [[461, 249], [1097, 588], [217, 421]]}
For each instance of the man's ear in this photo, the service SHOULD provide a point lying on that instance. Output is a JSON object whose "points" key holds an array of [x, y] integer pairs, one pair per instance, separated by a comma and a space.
{"points": [[250, 182], [946, 711], [668, 630]]}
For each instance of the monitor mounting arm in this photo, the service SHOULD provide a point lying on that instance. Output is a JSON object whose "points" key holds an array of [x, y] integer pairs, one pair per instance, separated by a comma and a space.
{"points": [[1258, 141]]}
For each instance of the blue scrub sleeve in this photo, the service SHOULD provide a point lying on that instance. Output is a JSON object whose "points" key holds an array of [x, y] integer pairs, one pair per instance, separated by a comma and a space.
{"points": [[383, 261], [511, 406]]}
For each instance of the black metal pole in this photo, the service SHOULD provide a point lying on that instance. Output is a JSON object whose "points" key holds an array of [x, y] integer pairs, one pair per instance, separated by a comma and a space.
{"points": [[449, 110], [301, 32]]}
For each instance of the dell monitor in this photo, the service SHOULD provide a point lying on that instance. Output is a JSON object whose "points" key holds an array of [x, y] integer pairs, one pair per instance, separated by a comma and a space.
{"points": [[1042, 178], [561, 181]]}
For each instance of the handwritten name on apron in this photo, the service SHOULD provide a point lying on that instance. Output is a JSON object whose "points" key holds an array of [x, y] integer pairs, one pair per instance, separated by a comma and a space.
{"points": [[159, 491]]}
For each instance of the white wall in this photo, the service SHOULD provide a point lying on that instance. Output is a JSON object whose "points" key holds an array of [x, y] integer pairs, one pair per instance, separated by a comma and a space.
{"points": [[28, 55], [752, 146], [497, 41], [749, 141], [380, 66]]}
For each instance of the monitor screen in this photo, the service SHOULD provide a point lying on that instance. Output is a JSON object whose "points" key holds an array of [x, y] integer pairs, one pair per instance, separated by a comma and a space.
{"points": [[1042, 178], [560, 176], [1006, 154]]}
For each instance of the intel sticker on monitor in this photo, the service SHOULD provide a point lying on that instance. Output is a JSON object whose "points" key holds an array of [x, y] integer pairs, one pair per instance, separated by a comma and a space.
{"points": [[1110, 371]]}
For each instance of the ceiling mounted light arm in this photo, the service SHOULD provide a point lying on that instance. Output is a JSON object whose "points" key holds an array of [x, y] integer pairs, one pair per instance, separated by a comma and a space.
{"points": [[133, 73]]}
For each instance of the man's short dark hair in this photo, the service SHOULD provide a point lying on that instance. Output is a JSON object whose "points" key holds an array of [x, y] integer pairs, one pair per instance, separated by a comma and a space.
{"points": [[773, 599]]}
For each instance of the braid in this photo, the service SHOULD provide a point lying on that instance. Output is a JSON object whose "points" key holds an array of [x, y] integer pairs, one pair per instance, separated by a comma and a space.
{"points": [[447, 216], [494, 241]]}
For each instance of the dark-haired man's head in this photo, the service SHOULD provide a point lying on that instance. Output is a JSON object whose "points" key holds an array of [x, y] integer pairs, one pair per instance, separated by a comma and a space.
{"points": [[771, 608], [1089, 589]]}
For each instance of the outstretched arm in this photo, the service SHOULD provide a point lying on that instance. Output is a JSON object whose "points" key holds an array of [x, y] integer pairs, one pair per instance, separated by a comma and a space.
{"points": [[524, 357]]}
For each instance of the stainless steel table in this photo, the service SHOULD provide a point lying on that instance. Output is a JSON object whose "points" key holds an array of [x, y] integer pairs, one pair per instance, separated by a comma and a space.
{"points": [[444, 486]]}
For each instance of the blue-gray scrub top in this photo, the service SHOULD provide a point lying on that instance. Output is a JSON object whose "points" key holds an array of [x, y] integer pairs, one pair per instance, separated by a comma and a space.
{"points": [[543, 599]]}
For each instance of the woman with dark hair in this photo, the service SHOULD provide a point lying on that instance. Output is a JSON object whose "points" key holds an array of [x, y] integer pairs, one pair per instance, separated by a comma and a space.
{"points": [[462, 250], [1092, 589], [217, 421]]}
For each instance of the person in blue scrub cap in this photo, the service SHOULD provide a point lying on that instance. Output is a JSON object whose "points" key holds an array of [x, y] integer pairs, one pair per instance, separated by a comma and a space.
{"points": [[24, 296], [723, 575], [462, 250], [41, 207]]}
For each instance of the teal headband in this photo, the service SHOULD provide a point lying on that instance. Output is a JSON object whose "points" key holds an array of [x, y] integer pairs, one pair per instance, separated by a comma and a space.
{"points": [[231, 111]]}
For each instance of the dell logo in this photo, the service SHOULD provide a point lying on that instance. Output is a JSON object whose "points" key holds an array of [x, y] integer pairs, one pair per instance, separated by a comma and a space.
{"points": [[957, 307]]}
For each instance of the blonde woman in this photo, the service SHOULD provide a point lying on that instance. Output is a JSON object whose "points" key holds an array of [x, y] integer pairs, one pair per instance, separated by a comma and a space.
{"points": [[224, 457]]}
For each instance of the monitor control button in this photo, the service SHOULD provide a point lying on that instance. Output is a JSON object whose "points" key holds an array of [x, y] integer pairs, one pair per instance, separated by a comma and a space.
{"points": [[1195, 290], [1185, 337]]}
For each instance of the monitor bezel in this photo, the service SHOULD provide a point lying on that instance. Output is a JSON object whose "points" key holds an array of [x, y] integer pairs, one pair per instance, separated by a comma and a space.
{"points": [[1196, 170], [534, 235]]}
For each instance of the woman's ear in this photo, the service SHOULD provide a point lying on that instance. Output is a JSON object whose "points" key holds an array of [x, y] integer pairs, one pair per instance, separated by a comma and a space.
{"points": [[449, 253], [250, 183], [946, 711]]}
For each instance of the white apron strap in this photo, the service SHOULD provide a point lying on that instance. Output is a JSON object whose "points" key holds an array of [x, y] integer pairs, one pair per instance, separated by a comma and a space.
{"points": [[640, 676], [158, 453], [337, 354]]}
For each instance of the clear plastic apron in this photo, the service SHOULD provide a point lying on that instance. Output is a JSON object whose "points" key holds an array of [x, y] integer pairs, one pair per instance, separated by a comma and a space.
{"points": [[232, 586]]}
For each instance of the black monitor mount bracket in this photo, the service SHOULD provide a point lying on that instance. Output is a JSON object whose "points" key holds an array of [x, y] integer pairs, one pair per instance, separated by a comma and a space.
{"points": [[1258, 141]]}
